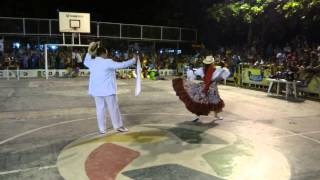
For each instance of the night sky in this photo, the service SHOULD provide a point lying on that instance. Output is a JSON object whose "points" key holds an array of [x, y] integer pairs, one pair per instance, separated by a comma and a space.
{"points": [[154, 12], [176, 13]]}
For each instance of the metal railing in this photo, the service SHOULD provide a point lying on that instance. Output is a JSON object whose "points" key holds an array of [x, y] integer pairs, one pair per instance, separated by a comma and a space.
{"points": [[50, 27]]}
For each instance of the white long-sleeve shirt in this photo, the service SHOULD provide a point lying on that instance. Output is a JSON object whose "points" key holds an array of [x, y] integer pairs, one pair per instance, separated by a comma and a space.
{"points": [[103, 75], [223, 73], [190, 75]]}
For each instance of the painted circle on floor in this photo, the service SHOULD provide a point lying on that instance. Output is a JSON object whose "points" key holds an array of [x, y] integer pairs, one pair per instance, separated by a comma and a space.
{"points": [[80, 93], [151, 151]]}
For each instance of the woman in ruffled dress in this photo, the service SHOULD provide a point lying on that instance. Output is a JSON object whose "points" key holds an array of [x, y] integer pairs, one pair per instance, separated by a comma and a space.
{"points": [[202, 98]]}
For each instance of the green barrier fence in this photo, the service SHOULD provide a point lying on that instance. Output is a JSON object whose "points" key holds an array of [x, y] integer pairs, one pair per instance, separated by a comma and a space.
{"points": [[255, 76], [313, 86]]}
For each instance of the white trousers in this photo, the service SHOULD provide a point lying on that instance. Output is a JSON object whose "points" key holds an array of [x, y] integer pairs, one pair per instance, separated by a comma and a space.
{"points": [[110, 102]]}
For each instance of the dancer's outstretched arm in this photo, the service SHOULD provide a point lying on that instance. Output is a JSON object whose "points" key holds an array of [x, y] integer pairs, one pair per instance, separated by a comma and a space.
{"points": [[118, 65]]}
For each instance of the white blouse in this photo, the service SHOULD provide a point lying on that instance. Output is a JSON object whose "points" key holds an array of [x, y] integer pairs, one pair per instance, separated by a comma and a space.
{"points": [[223, 73]]}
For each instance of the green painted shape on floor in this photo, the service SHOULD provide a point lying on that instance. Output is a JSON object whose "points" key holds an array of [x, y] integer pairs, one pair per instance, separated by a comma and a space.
{"points": [[222, 160], [169, 172], [195, 137]]}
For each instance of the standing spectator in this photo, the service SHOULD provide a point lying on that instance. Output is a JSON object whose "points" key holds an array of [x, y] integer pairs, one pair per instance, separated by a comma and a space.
{"points": [[78, 59], [62, 60], [58, 60], [25, 59], [34, 60], [52, 60]]}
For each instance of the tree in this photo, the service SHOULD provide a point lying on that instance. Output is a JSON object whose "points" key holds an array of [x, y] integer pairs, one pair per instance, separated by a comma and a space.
{"points": [[254, 12]]}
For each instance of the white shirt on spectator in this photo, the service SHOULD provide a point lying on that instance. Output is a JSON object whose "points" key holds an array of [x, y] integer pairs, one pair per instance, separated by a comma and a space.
{"points": [[73, 55], [78, 58]]}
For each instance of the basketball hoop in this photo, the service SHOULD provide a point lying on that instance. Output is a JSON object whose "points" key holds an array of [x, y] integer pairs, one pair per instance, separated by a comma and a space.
{"points": [[70, 22]]}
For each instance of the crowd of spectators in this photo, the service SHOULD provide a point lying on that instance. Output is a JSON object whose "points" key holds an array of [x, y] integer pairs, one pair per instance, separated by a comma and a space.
{"points": [[297, 55]]}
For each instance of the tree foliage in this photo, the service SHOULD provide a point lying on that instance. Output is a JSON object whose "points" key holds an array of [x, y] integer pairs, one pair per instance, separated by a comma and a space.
{"points": [[253, 12], [249, 10]]}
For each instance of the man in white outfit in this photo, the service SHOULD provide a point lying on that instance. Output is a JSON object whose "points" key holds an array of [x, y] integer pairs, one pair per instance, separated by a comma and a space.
{"points": [[103, 87]]}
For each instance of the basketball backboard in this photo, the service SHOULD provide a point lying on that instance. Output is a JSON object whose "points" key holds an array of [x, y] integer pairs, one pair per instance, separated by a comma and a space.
{"points": [[74, 22]]}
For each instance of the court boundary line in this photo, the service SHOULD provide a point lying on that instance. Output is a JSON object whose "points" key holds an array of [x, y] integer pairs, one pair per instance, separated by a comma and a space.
{"points": [[133, 114]]}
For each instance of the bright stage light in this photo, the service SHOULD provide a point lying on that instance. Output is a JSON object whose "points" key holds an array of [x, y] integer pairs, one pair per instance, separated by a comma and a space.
{"points": [[53, 47], [16, 45]]}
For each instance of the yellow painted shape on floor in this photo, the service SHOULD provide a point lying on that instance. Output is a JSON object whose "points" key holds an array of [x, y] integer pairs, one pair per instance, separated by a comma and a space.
{"points": [[130, 137], [136, 137]]}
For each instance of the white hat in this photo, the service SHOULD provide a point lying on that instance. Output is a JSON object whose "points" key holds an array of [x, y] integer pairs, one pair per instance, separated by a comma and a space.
{"points": [[93, 46], [208, 60]]}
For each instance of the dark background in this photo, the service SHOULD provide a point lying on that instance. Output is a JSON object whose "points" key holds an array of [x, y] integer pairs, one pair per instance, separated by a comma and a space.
{"points": [[180, 13]]}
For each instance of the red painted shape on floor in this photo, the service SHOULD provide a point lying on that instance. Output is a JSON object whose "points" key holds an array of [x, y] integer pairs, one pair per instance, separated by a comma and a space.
{"points": [[105, 162]]}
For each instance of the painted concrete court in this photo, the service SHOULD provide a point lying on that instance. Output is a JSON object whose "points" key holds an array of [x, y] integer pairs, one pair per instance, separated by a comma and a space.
{"points": [[48, 131]]}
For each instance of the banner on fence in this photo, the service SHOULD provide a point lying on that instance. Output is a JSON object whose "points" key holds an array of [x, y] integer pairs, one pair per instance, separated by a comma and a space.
{"points": [[255, 76]]}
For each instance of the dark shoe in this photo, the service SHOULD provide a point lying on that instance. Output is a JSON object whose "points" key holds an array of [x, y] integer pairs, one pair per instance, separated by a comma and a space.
{"points": [[195, 120]]}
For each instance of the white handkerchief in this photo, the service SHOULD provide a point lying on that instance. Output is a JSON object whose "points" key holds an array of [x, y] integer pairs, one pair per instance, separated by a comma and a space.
{"points": [[138, 78]]}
